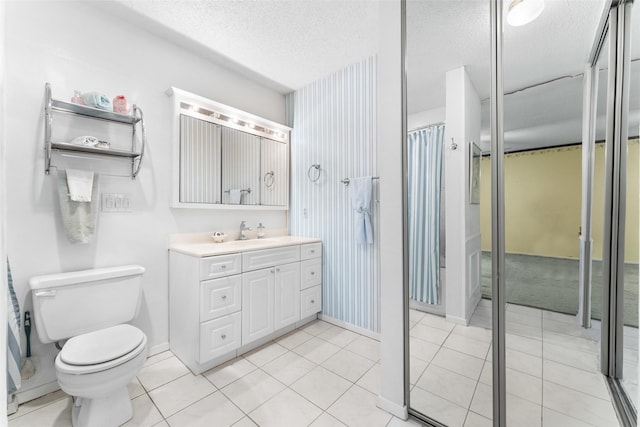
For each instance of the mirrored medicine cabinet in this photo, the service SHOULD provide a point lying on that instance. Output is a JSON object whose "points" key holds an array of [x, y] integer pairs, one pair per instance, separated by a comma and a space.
{"points": [[226, 158]]}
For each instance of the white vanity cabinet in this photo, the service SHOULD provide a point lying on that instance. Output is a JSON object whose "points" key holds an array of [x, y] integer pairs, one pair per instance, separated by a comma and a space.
{"points": [[224, 305]]}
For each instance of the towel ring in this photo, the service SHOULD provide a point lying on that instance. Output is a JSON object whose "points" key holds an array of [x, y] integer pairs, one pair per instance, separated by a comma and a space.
{"points": [[269, 179], [314, 176]]}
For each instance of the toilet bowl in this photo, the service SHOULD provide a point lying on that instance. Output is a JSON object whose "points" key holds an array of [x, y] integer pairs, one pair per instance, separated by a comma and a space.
{"points": [[102, 353]]}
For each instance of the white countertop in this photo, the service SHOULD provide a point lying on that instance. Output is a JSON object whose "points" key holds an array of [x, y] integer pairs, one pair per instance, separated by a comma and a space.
{"points": [[203, 249]]}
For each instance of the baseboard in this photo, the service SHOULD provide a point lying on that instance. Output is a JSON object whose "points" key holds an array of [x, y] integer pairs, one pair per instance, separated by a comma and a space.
{"points": [[37, 392], [156, 349], [400, 411], [350, 327], [457, 320]]}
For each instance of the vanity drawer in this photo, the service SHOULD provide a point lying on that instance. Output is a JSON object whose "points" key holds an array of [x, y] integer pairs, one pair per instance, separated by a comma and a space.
{"points": [[220, 296], [310, 273], [220, 266], [310, 301], [256, 260], [219, 336], [311, 250]]}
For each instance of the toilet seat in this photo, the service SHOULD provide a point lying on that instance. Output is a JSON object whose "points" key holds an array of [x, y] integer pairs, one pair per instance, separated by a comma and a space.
{"points": [[101, 350]]}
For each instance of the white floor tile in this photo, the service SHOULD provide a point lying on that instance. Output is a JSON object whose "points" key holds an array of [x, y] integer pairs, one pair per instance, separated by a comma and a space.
{"points": [[572, 357], [573, 329], [467, 346], [461, 363], [178, 394], [145, 413], [592, 383], [326, 420], [135, 389], [429, 333], [437, 322], [482, 402], [265, 354], [203, 413], [571, 342], [524, 362], [524, 330], [321, 387], [286, 409], [348, 365], [523, 309], [416, 368], [316, 350], [552, 418], [523, 344], [225, 374], [339, 336], [473, 332], [158, 358], [578, 405], [397, 422], [39, 403], [252, 390], [449, 385], [288, 368], [370, 381], [365, 347], [522, 412], [423, 350], [245, 422], [437, 408], [534, 320], [475, 420], [357, 407], [161, 372], [56, 414], [294, 339], [524, 386], [316, 327]]}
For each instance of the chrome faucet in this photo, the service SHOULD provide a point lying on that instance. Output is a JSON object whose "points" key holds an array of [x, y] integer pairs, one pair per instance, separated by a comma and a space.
{"points": [[243, 228]]}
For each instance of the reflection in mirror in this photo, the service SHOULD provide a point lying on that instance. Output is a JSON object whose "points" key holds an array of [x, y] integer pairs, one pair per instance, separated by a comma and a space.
{"points": [[224, 156], [199, 161], [240, 167]]}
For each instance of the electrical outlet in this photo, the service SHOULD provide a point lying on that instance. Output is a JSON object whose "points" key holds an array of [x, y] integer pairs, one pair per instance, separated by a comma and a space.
{"points": [[112, 202]]}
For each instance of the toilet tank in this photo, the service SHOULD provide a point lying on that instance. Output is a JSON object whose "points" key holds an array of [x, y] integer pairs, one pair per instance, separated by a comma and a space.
{"points": [[77, 302]]}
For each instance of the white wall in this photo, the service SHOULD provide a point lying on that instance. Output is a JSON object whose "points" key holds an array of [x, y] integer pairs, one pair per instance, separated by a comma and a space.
{"points": [[463, 241], [392, 307], [426, 118], [74, 45], [3, 214]]}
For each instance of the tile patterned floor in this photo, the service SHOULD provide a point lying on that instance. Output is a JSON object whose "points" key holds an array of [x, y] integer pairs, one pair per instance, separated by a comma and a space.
{"points": [[323, 375], [319, 375], [553, 377]]}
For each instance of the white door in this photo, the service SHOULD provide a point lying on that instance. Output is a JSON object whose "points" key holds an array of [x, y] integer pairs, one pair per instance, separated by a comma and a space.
{"points": [[257, 304], [287, 295]]}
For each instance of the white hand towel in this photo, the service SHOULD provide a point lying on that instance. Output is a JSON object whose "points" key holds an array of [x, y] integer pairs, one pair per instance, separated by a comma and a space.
{"points": [[80, 185], [79, 218], [361, 203], [235, 195]]}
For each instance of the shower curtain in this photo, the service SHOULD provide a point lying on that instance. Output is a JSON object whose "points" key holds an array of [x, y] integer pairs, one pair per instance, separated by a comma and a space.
{"points": [[425, 184]]}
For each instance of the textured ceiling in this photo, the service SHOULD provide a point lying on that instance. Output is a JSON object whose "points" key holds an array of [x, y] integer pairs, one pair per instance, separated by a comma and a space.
{"points": [[287, 44]]}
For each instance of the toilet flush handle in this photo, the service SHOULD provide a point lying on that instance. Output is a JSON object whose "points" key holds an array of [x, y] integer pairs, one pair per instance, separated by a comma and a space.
{"points": [[46, 293]]}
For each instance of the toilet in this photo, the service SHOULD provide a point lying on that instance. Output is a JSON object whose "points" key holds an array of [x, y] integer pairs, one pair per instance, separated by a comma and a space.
{"points": [[102, 353]]}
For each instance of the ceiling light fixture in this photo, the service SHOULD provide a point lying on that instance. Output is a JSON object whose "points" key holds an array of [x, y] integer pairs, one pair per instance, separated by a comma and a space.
{"points": [[521, 12]]}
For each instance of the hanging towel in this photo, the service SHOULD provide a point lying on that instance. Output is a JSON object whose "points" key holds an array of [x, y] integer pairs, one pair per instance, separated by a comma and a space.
{"points": [[13, 337], [361, 203], [80, 185], [79, 218], [235, 195]]}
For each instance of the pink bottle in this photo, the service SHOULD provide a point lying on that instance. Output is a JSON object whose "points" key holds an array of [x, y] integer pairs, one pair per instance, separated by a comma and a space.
{"points": [[120, 105], [77, 98]]}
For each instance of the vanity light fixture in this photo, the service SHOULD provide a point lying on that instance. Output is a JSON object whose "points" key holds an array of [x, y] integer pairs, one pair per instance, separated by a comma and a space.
{"points": [[522, 12]]}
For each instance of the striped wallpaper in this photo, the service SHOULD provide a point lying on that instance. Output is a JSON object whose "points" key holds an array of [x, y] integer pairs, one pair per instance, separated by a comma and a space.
{"points": [[200, 148], [240, 165], [334, 124]]}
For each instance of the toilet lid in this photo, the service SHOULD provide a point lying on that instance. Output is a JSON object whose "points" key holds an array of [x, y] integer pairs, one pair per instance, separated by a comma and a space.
{"points": [[101, 346]]}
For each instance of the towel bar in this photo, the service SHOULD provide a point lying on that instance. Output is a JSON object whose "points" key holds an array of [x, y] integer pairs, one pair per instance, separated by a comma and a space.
{"points": [[347, 181], [247, 190]]}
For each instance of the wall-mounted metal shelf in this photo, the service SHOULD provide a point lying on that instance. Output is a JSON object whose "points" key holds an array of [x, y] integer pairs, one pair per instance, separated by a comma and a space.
{"points": [[137, 118]]}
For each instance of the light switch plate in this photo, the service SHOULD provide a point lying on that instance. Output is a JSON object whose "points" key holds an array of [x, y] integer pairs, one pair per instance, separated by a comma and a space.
{"points": [[115, 202]]}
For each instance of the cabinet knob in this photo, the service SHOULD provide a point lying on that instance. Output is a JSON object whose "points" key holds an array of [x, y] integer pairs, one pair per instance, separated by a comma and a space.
{"points": [[277, 269], [223, 336], [313, 301], [313, 273], [223, 266], [224, 297], [272, 270], [313, 251]]}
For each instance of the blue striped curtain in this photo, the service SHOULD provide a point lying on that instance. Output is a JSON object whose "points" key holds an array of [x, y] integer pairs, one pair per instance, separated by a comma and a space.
{"points": [[425, 184]]}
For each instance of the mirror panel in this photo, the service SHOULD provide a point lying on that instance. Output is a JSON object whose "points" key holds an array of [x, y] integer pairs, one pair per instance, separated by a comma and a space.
{"points": [[200, 148], [240, 167], [274, 169]]}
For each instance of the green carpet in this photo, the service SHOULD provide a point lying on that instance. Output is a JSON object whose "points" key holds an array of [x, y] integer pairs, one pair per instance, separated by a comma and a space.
{"points": [[552, 284]]}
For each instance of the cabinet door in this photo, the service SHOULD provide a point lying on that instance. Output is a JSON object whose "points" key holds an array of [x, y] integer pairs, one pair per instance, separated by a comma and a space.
{"points": [[257, 304], [287, 295], [219, 336]]}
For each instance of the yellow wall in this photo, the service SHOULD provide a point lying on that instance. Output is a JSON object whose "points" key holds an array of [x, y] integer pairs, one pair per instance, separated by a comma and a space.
{"points": [[542, 202]]}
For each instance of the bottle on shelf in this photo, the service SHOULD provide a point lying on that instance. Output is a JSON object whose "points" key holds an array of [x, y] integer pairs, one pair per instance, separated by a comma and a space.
{"points": [[77, 98], [120, 105]]}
